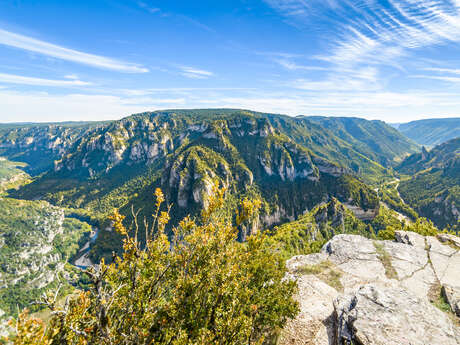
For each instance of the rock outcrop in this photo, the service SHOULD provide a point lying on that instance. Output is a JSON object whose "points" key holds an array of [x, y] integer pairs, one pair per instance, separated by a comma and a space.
{"points": [[368, 292]]}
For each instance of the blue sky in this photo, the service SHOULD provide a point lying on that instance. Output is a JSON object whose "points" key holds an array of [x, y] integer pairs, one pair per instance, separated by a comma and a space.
{"points": [[394, 60]]}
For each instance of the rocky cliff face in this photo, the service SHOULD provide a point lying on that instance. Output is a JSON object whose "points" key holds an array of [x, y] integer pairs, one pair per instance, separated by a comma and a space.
{"points": [[91, 148], [190, 152], [360, 291], [290, 164], [129, 141], [40, 145]]}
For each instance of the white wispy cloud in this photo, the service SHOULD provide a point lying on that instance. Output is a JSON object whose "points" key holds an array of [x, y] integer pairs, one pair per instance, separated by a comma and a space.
{"points": [[293, 66], [195, 73], [371, 105], [375, 32], [450, 75], [148, 8], [366, 78], [443, 70], [450, 79], [22, 80], [177, 90], [15, 40], [71, 76]]}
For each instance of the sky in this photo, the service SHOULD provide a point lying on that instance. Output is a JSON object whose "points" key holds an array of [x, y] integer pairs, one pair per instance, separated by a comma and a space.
{"points": [[393, 60]]}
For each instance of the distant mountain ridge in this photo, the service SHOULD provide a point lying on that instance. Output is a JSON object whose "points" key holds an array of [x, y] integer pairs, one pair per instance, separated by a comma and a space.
{"points": [[374, 137], [341, 140], [430, 132]]}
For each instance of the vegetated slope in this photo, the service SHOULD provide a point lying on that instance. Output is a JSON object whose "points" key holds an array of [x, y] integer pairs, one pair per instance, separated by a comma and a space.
{"points": [[375, 139], [37, 240], [311, 231], [434, 190], [11, 173], [431, 132], [292, 164]]}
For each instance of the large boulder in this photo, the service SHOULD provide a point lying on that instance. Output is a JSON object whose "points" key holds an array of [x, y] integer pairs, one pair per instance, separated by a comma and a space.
{"points": [[363, 291], [391, 316]]}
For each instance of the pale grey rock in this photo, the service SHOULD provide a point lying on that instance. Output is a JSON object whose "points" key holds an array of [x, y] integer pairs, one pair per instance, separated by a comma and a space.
{"points": [[183, 190], [373, 315], [266, 166], [420, 282], [210, 135], [356, 256], [344, 248], [445, 261], [405, 261], [451, 274], [436, 247], [371, 308], [299, 261], [313, 325], [198, 128], [275, 216]]}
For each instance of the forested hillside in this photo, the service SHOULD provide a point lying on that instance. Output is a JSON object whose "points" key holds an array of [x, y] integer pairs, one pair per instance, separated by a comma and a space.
{"points": [[433, 188], [375, 139]]}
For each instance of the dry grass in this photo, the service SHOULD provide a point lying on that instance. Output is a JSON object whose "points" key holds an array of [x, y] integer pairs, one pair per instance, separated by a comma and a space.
{"points": [[326, 271], [385, 259], [438, 299]]}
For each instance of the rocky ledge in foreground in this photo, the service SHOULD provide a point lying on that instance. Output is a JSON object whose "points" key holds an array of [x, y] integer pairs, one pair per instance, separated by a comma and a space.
{"points": [[362, 292]]}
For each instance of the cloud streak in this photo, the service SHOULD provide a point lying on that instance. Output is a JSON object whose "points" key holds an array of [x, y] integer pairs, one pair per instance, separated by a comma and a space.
{"points": [[292, 66], [443, 70], [17, 79], [450, 79], [30, 44], [195, 73]]}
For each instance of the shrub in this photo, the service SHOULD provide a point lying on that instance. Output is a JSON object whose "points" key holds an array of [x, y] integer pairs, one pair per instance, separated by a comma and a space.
{"points": [[202, 287]]}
